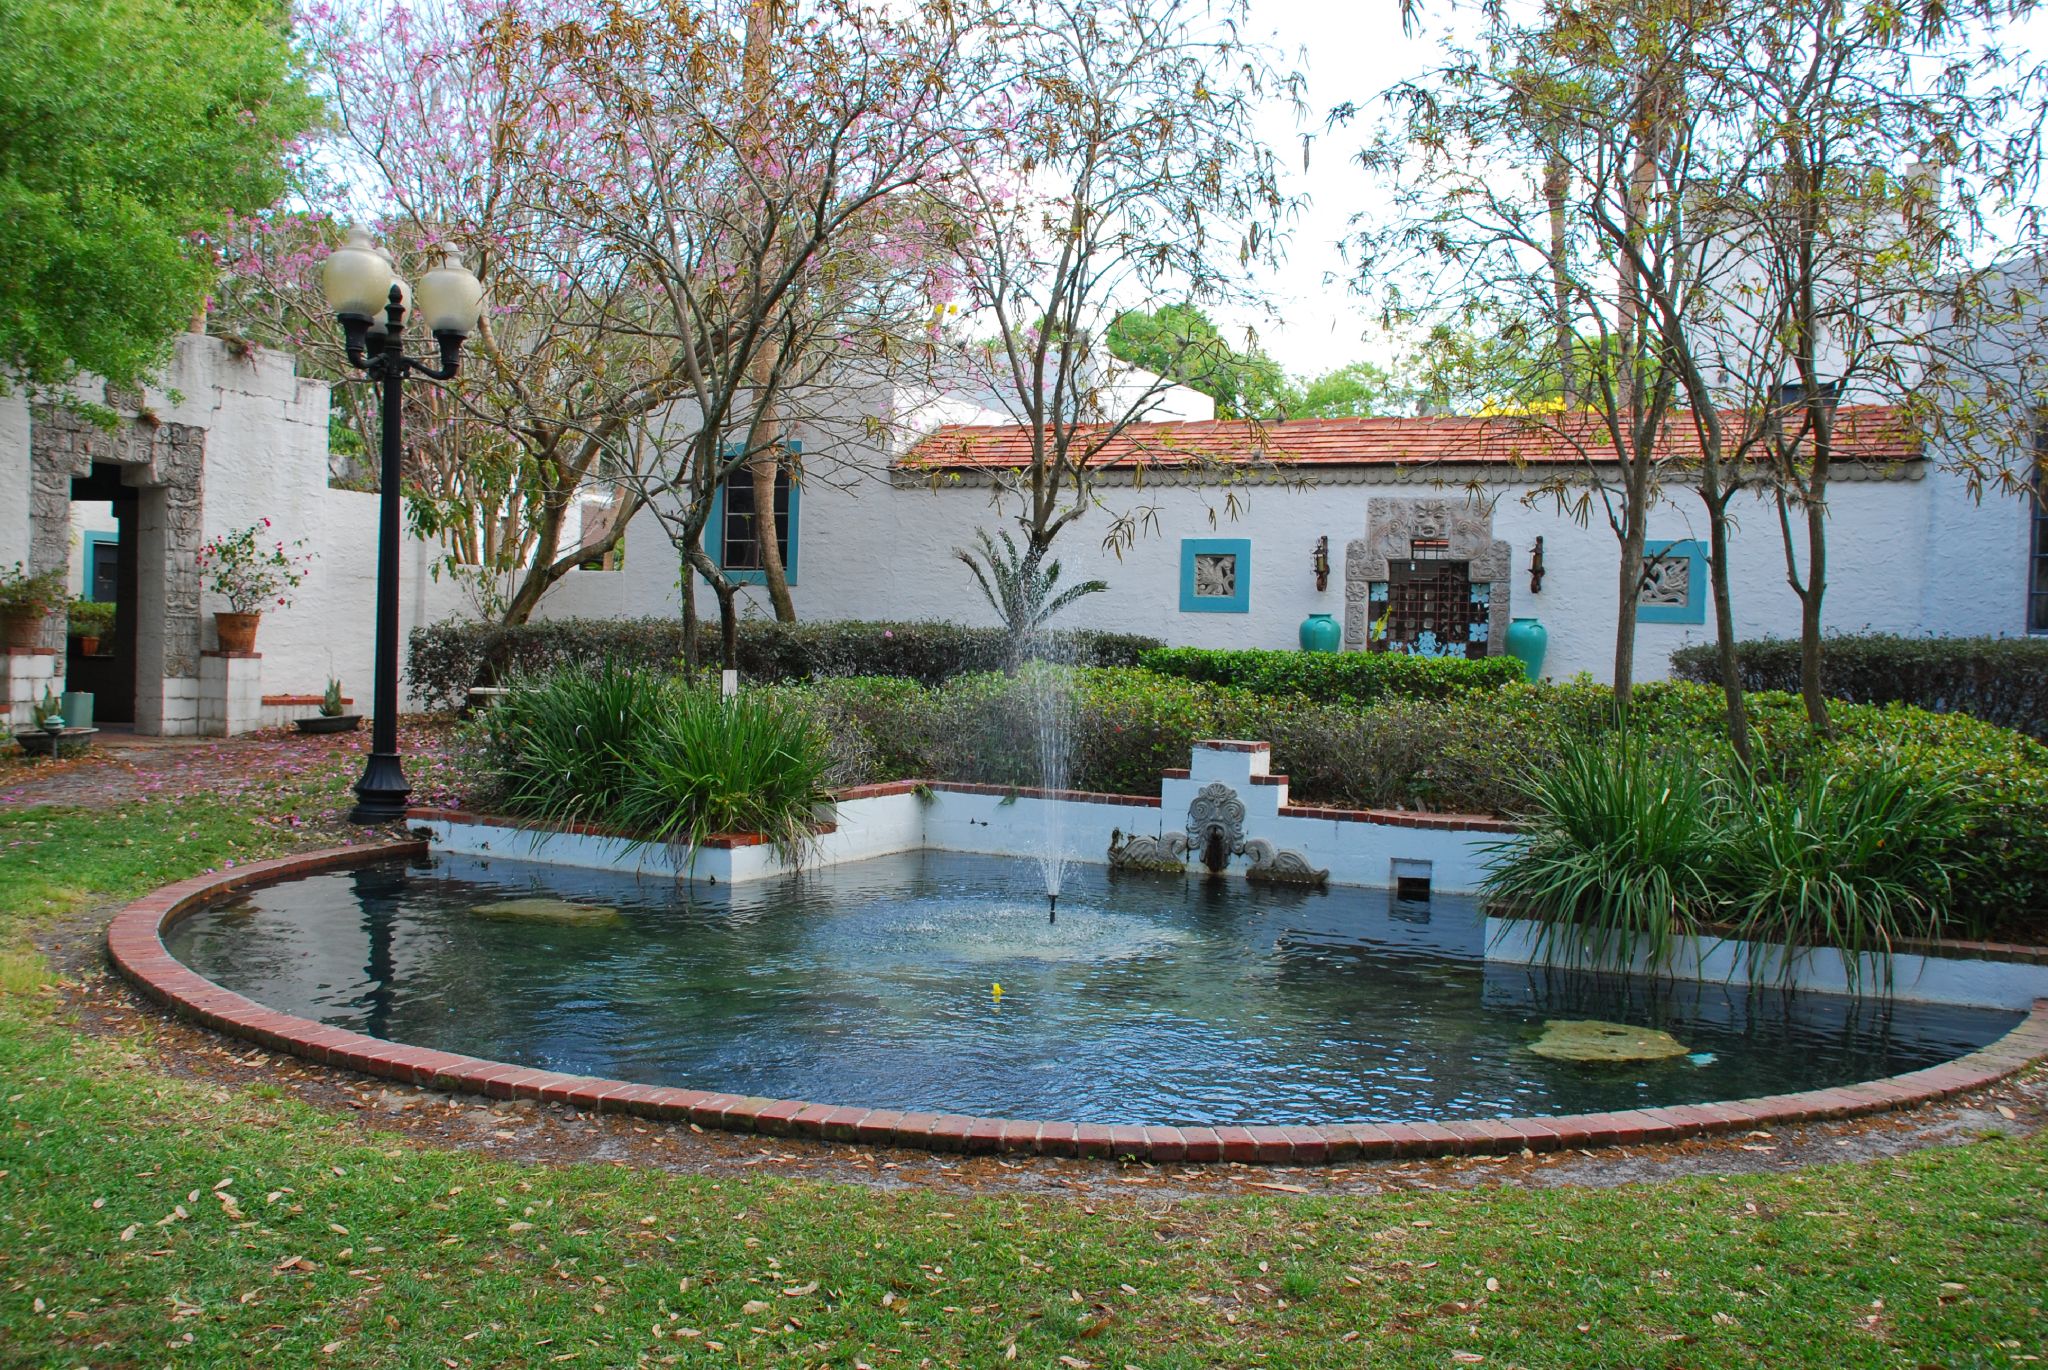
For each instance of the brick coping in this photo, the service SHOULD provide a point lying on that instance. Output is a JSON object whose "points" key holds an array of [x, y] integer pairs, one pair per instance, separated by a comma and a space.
{"points": [[135, 945]]}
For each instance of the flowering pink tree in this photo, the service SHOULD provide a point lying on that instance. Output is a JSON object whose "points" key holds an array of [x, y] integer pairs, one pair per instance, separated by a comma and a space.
{"points": [[775, 192], [448, 116]]}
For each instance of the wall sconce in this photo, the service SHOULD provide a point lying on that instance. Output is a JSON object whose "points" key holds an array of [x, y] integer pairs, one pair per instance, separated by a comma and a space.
{"points": [[1536, 568], [1322, 562]]}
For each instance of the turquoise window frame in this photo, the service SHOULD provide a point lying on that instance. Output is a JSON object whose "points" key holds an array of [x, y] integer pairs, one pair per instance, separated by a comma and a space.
{"points": [[88, 541], [714, 528], [1694, 610], [1192, 603]]}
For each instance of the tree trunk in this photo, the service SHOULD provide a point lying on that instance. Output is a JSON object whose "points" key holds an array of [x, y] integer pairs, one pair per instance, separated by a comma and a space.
{"points": [[728, 626], [763, 466], [763, 17], [538, 578], [691, 626], [1557, 181], [1810, 608], [1724, 616], [1635, 528]]}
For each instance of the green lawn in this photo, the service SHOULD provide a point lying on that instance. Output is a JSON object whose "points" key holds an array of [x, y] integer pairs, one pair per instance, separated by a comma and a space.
{"points": [[147, 1219]]}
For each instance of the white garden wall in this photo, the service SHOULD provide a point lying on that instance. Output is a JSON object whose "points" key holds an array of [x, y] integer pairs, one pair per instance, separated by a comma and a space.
{"points": [[263, 434], [1910, 552]]}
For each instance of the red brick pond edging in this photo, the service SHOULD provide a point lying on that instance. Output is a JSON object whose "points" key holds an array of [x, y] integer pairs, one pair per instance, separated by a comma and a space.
{"points": [[135, 943]]}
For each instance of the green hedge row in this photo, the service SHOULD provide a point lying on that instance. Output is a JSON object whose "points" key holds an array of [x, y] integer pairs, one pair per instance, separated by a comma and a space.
{"points": [[1336, 677], [2001, 680], [446, 659], [1471, 752]]}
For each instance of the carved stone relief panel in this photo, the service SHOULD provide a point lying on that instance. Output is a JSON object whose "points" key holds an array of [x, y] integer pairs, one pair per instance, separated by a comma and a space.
{"points": [[1453, 529]]}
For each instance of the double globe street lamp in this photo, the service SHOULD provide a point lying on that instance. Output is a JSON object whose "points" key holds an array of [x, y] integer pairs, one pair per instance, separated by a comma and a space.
{"points": [[361, 285]]}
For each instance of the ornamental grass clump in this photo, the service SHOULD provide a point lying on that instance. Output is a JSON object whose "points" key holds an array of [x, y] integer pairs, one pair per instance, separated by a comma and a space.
{"points": [[1627, 848], [1849, 859], [1620, 852], [560, 746], [749, 764], [646, 754]]}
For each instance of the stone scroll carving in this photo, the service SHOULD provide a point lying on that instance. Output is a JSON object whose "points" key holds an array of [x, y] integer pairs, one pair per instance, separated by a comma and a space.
{"points": [[1167, 853], [1666, 580], [1393, 525], [1272, 866]]}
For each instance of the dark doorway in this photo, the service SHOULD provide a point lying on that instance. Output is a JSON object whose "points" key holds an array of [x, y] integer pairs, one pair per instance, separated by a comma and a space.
{"points": [[110, 573]]}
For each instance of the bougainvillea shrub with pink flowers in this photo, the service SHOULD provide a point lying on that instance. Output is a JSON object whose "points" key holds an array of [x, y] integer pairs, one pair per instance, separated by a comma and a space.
{"points": [[252, 570]]}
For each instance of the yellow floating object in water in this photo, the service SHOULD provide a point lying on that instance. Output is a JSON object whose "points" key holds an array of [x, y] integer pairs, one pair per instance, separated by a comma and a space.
{"points": [[1589, 1039], [998, 989]]}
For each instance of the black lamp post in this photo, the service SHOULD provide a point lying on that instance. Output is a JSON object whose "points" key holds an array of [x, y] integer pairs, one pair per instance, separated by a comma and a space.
{"points": [[360, 282]]}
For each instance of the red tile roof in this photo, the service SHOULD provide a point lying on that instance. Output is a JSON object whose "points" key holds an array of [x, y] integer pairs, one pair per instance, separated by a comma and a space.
{"points": [[1873, 433]]}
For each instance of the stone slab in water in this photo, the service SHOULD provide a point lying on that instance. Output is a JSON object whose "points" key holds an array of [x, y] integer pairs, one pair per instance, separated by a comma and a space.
{"points": [[541, 909], [1590, 1039]]}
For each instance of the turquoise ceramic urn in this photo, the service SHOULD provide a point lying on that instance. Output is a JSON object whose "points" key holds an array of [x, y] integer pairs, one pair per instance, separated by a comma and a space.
{"points": [[1527, 637], [1320, 633]]}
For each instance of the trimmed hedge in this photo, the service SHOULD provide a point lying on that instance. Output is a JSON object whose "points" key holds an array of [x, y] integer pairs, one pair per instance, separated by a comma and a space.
{"points": [[446, 659], [2002, 680], [1336, 677], [1472, 752]]}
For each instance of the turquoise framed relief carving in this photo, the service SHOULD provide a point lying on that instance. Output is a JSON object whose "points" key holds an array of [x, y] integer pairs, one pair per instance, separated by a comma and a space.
{"points": [[1674, 585], [1215, 575]]}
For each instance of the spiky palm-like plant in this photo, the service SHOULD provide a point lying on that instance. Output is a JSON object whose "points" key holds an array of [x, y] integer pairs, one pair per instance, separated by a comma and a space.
{"points": [[1020, 586]]}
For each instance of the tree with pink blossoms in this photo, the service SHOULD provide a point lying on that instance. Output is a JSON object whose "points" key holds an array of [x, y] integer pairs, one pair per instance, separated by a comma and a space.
{"points": [[448, 115], [777, 192]]}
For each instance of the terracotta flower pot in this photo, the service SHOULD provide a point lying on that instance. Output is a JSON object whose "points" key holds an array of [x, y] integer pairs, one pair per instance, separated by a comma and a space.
{"points": [[237, 632], [24, 630], [88, 646]]}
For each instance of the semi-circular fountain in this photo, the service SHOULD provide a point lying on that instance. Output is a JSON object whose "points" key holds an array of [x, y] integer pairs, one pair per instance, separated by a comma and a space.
{"points": [[1210, 1021]]}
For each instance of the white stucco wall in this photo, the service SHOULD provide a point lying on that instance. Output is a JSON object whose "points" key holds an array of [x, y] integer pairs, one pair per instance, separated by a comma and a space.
{"points": [[14, 478], [1907, 555], [265, 457]]}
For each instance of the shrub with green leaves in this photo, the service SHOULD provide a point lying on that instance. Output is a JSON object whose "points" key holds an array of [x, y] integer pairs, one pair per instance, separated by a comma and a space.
{"points": [[2002, 680], [1627, 846], [1335, 677], [1622, 851], [1853, 858], [89, 618], [649, 755], [445, 659]]}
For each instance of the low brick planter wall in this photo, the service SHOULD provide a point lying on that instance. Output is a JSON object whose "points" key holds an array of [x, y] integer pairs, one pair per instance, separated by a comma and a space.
{"points": [[135, 943]]}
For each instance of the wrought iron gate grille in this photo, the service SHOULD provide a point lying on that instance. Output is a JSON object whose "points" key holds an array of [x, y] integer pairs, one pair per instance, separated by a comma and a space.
{"points": [[1433, 609]]}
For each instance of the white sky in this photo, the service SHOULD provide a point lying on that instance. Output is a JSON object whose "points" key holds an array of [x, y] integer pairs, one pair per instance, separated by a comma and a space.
{"points": [[1354, 52], [1348, 52]]}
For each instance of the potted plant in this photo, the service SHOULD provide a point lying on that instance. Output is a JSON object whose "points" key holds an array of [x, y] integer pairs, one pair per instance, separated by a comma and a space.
{"points": [[45, 712], [331, 719], [90, 620], [24, 599], [252, 577]]}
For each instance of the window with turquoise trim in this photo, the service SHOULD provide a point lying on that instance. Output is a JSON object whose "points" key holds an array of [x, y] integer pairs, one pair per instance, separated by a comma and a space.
{"points": [[734, 531], [1674, 584], [102, 565], [1215, 575]]}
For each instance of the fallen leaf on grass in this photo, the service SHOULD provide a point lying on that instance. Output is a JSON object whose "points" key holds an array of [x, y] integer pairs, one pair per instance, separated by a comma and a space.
{"points": [[1279, 1189]]}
